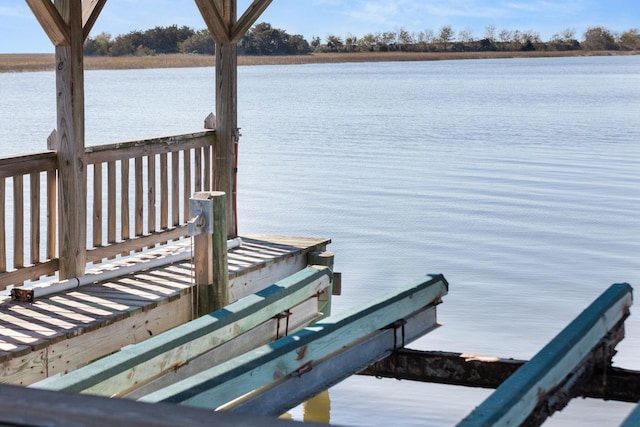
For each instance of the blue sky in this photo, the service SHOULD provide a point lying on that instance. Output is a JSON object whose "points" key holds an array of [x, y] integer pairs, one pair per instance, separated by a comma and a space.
{"points": [[20, 32]]}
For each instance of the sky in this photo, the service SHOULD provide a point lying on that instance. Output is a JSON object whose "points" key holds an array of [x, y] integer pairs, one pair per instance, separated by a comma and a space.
{"points": [[20, 32]]}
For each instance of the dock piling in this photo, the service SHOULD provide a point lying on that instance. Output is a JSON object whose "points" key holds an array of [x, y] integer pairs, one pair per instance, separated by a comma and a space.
{"points": [[210, 251]]}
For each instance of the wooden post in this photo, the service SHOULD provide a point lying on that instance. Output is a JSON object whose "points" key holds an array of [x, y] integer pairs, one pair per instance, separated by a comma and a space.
{"points": [[70, 143], [226, 114], [211, 266], [325, 258], [221, 19]]}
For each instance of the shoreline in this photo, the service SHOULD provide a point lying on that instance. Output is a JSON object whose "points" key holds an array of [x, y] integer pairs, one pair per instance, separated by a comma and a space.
{"points": [[12, 63]]}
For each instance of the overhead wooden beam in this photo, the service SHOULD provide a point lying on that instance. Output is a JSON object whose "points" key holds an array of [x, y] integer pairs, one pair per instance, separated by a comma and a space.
{"points": [[219, 30], [90, 11], [51, 21], [248, 18], [547, 382], [298, 353]]}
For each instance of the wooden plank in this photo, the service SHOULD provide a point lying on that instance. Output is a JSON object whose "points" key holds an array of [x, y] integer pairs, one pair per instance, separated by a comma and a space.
{"points": [[136, 243], [76, 352], [29, 272], [277, 327], [97, 205], [296, 352], [151, 194], [208, 172], [18, 221], [51, 21], [90, 11], [34, 184], [292, 390], [517, 398], [472, 370], [52, 183], [197, 167], [24, 367], [248, 18], [111, 202], [3, 236], [72, 194], [175, 189], [147, 147], [28, 163], [32, 407], [149, 359], [125, 232], [139, 200], [186, 176], [164, 192]]}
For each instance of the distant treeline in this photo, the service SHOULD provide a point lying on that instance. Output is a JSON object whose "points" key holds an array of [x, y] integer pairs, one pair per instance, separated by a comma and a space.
{"points": [[263, 39]]}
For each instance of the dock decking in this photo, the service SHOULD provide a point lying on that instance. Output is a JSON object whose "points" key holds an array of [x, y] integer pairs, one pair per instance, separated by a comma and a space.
{"points": [[63, 331]]}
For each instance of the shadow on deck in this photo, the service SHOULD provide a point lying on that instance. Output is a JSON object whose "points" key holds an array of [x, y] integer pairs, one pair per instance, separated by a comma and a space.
{"points": [[63, 331]]}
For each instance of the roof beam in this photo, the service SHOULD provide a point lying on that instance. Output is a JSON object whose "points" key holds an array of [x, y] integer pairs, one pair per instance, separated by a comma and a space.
{"points": [[51, 21], [215, 23], [90, 11], [248, 18]]}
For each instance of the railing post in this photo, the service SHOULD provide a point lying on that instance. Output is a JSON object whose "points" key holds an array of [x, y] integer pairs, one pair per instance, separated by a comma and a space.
{"points": [[208, 225]]}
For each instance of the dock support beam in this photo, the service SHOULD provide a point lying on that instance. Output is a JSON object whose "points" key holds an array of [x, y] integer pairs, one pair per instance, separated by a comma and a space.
{"points": [[68, 23], [221, 19], [210, 258], [72, 218], [559, 371]]}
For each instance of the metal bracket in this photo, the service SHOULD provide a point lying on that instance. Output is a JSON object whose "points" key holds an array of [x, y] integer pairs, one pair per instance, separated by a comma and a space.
{"points": [[201, 215]]}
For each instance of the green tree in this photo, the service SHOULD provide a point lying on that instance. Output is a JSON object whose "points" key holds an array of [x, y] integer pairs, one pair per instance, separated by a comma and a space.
{"points": [[630, 40], [99, 45], [201, 43], [599, 38], [334, 43], [367, 43], [263, 39], [445, 36]]}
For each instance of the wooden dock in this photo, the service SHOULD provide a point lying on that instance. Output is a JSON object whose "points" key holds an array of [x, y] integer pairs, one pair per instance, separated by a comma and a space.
{"points": [[61, 332]]}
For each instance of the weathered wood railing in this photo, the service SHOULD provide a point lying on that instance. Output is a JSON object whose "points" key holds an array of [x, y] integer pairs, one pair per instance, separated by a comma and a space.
{"points": [[13, 170], [138, 197]]}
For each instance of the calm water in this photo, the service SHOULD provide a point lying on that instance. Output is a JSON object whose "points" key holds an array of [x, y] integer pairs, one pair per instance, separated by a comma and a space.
{"points": [[517, 179]]}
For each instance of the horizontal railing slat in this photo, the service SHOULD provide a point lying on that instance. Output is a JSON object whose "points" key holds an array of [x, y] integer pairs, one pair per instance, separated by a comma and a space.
{"points": [[27, 164], [147, 147]]}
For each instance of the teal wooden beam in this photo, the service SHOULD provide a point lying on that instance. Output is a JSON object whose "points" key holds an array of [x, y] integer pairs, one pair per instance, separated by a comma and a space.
{"points": [[299, 352], [515, 400], [633, 420], [294, 390], [169, 350]]}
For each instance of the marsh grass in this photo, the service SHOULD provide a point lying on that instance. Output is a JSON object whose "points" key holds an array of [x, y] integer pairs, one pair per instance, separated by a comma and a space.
{"points": [[46, 62]]}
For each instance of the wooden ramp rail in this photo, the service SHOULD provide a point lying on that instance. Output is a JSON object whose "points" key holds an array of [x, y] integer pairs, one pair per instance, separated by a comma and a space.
{"points": [[558, 372], [26, 407], [633, 420], [292, 358], [239, 327]]}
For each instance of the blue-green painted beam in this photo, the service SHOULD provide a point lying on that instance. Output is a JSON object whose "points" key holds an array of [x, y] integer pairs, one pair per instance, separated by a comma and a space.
{"points": [[299, 352], [516, 398]]}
